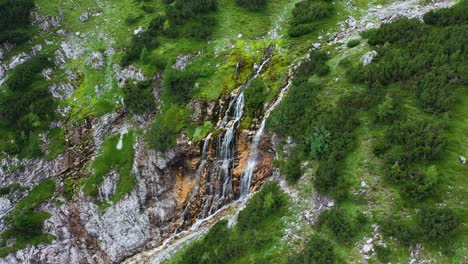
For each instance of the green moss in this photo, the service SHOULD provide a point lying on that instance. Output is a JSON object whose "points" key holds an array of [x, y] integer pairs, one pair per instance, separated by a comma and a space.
{"points": [[200, 132]]}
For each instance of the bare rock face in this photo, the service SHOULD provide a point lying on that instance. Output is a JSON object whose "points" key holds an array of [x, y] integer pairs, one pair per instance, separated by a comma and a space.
{"points": [[122, 230], [108, 186]]}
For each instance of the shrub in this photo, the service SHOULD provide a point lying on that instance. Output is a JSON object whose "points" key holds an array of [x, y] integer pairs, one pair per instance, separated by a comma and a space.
{"points": [[252, 5], [138, 97], [304, 13], [264, 204], [26, 224], [292, 168], [437, 223], [26, 108], [422, 140], [255, 95], [353, 43], [457, 14], [318, 250], [309, 11], [179, 84], [401, 229], [15, 14], [165, 129], [327, 176], [400, 31], [340, 223]]}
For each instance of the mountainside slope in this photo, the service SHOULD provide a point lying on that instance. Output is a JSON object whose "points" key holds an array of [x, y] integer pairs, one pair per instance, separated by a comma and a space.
{"points": [[138, 131]]}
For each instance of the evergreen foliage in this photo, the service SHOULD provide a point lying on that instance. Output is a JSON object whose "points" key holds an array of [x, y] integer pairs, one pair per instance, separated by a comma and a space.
{"points": [[318, 250], [138, 97], [14, 16], [26, 108], [305, 13], [252, 5], [255, 95]]}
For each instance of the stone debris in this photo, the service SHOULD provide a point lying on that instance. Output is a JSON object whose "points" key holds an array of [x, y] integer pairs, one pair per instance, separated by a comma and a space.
{"points": [[129, 72], [84, 17], [368, 57], [460, 158], [96, 60], [139, 30], [62, 91], [46, 22]]}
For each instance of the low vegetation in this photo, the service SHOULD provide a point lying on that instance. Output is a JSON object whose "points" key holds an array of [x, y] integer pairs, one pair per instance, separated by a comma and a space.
{"points": [[26, 222], [257, 229]]}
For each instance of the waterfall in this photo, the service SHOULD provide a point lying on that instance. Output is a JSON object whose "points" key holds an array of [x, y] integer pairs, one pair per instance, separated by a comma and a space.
{"points": [[253, 155], [218, 172]]}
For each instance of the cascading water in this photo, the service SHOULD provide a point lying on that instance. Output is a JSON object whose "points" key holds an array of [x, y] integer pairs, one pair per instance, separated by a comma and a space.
{"points": [[253, 155], [218, 189]]}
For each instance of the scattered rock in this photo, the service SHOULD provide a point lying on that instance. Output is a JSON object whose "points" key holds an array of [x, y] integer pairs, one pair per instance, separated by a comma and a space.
{"points": [[62, 91], [129, 72], [461, 158], [368, 57], [183, 61], [139, 30], [316, 45], [46, 22], [84, 17], [96, 60]]}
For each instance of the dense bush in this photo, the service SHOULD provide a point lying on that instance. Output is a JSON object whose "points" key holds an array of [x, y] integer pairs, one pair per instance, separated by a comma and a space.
{"points": [[437, 223], [427, 64], [252, 4], [292, 166], [269, 201], [341, 223], [318, 250], [256, 230], [14, 15], [401, 229], [183, 10], [26, 108], [304, 13], [255, 95], [309, 11], [138, 97], [139, 42], [421, 140], [458, 14], [327, 176], [353, 43], [179, 85]]}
